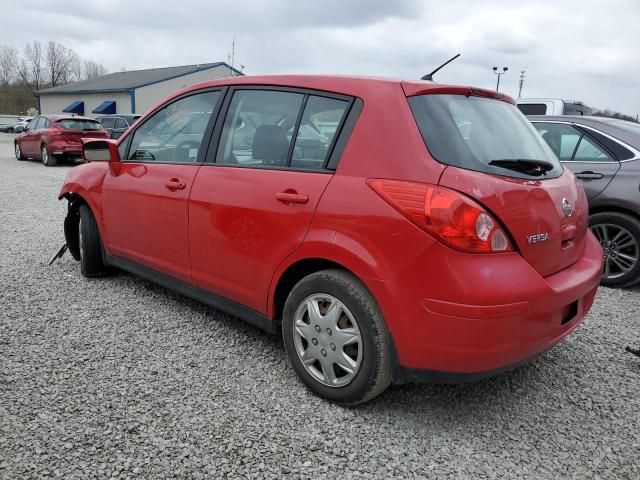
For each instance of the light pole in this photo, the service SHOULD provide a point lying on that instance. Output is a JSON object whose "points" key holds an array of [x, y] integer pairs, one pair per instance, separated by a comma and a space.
{"points": [[495, 70]]}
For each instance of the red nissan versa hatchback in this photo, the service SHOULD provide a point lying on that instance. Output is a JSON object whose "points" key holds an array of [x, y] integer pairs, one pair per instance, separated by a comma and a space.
{"points": [[392, 231]]}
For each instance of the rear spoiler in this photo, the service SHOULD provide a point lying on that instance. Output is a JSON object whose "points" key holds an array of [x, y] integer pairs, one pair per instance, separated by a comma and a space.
{"points": [[412, 89]]}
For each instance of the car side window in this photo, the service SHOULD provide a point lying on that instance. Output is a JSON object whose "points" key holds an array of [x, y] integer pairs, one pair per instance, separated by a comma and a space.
{"points": [[174, 133], [120, 123], [107, 122], [570, 144], [47, 123], [588, 151], [255, 130], [39, 123], [319, 125], [560, 137]]}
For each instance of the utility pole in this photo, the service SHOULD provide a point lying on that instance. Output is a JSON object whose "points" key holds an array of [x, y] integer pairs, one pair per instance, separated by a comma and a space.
{"points": [[521, 83], [495, 70]]}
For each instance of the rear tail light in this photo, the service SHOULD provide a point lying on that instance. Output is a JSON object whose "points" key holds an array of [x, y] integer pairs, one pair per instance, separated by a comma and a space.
{"points": [[451, 217]]}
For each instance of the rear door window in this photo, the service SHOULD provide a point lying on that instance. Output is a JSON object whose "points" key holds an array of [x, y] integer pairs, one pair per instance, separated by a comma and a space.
{"points": [[268, 128], [478, 133], [571, 144], [107, 122], [120, 123], [256, 127]]}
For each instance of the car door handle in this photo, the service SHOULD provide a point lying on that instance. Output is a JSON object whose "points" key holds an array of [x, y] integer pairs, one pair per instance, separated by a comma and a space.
{"points": [[291, 197], [589, 175], [175, 184]]}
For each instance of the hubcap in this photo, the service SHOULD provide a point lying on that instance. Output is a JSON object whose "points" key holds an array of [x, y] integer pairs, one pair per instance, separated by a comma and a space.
{"points": [[327, 340], [45, 155], [18, 151], [621, 250]]}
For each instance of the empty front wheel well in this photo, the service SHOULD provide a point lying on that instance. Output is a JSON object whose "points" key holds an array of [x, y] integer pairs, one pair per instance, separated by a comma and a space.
{"points": [[293, 275], [72, 223]]}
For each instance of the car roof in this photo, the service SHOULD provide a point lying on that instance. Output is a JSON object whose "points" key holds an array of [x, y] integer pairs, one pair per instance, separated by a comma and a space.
{"points": [[621, 129], [55, 118], [356, 86]]}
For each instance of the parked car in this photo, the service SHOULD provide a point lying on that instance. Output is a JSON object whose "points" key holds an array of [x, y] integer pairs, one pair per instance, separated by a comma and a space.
{"points": [[55, 137], [20, 124], [117, 124], [552, 106], [604, 154], [402, 250]]}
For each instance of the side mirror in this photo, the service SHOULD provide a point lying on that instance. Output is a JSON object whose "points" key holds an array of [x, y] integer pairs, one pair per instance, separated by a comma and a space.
{"points": [[100, 151]]}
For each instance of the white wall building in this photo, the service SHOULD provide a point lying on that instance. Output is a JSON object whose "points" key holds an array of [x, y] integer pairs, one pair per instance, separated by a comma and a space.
{"points": [[127, 92]]}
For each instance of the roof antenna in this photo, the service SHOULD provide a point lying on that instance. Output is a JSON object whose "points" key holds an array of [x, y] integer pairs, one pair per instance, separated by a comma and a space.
{"points": [[429, 76]]}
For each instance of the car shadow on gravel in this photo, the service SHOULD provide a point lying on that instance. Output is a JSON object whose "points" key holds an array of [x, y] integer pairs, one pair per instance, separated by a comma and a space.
{"points": [[460, 402]]}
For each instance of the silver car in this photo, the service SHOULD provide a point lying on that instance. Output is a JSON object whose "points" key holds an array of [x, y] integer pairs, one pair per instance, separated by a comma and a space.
{"points": [[604, 153]]}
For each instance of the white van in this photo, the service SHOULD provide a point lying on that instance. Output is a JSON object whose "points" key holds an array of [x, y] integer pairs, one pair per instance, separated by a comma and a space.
{"points": [[552, 106]]}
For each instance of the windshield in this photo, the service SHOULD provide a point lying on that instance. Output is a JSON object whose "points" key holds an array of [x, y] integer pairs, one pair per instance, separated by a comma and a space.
{"points": [[484, 135], [76, 124]]}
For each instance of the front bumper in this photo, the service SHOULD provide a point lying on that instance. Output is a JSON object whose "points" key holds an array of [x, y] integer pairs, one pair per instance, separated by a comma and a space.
{"points": [[477, 315]]}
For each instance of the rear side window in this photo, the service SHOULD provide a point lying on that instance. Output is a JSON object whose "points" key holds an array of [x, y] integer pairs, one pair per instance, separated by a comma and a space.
{"points": [[533, 108], [571, 144], [121, 123], [107, 122], [76, 124], [473, 132]]}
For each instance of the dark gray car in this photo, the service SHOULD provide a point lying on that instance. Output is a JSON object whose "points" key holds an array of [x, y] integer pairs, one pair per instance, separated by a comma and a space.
{"points": [[604, 153], [117, 124]]}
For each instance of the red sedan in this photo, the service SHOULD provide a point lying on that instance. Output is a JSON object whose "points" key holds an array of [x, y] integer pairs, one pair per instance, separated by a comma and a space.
{"points": [[391, 231], [54, 137]]}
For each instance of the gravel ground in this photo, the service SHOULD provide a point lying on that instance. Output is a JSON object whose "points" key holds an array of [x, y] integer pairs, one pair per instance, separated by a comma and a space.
{"points": [[117, 377]]}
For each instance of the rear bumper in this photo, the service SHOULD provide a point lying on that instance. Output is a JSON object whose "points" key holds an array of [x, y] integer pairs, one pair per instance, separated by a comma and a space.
{"points": [[480, 315], [64, 148]]}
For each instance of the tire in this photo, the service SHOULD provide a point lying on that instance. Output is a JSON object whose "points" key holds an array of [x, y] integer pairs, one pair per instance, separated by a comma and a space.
{"points": [[371, 367], [91, 258], [48, 159], [18, 152], [619, 235]]}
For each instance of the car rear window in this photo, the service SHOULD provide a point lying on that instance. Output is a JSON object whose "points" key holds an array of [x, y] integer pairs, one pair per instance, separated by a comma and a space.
{"points": [[75, 124], [470, 132]]}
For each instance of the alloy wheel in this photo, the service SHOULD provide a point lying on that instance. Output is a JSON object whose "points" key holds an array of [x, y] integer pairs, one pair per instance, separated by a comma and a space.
{"points": [[327, 340], [18, 152], [45, 155], [621, 250]]}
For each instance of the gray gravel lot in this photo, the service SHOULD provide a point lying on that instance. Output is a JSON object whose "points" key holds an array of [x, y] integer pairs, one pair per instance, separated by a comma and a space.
{"points": [[117, 377]]}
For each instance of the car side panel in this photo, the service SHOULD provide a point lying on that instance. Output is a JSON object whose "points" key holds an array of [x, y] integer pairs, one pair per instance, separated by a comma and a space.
{"points": [[240, 232]]}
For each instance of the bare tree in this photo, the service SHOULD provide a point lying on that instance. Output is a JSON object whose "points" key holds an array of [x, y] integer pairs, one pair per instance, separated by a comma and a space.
{"points": [[75, 67], [57, 60], [8, 64], [93, 70], [32, 68]]}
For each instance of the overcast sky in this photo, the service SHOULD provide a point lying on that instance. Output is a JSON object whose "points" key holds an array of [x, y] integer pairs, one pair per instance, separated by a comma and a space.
{"points": [[578, 49]]}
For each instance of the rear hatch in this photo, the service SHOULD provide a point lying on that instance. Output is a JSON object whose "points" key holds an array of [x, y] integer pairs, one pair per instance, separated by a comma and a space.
{"points": [[73, 130], [495, 156]]}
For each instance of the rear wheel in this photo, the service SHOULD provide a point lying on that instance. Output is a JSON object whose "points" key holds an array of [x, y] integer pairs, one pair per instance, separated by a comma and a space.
{"points": [[48, 159], [91, 259], [18, 151], [336, 339], [619, 235]]}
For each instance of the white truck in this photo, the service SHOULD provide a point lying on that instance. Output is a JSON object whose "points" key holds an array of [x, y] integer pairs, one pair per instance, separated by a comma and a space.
{"points": [[552, 106]]}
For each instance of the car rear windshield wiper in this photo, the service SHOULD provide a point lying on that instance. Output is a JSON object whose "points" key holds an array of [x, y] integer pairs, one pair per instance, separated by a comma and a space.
{"points": [[525, 165]]}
